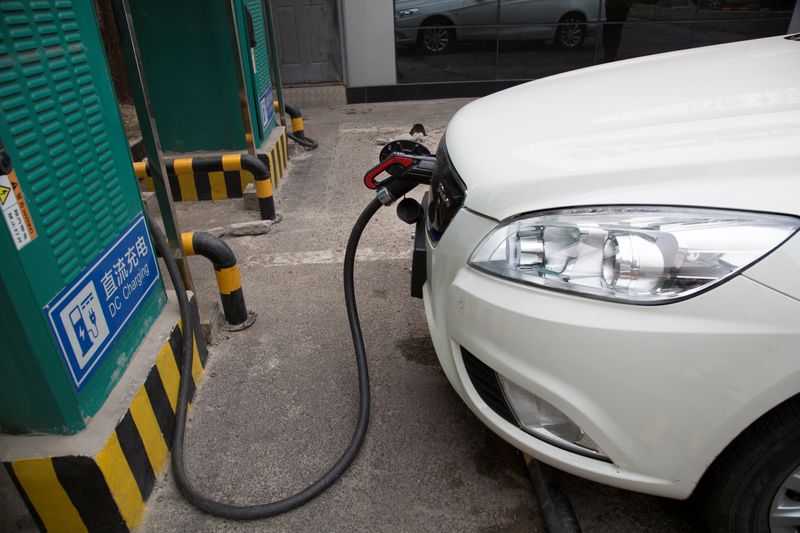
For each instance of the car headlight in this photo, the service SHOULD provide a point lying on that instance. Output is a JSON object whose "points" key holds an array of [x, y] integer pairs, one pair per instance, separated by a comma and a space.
{"points": [[642, 254], [403, 13]]}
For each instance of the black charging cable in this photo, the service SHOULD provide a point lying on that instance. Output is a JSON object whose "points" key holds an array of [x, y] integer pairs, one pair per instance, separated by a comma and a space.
{"points": [[252, 512], [305, 142]]}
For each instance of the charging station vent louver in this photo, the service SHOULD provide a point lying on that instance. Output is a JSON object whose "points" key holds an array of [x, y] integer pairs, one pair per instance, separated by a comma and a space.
{"points": [[65, 149], [56, 128], [485, 382]]}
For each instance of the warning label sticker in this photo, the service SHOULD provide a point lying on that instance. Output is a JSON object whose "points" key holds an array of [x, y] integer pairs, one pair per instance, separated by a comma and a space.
{"points": [[15, 211]]}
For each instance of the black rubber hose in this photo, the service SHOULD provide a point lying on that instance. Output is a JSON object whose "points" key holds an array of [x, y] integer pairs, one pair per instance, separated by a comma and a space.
{"points": [[305, 142], [252, 512], [556, 509]]}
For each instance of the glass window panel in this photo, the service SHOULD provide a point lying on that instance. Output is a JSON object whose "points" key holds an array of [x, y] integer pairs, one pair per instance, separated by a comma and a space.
{"points": [[479, 40], [445, 40], [518, 12], [708, 33], [652, 10], [468, 56], [530, 52], [634, 39], [745, 9], [417, 13]]}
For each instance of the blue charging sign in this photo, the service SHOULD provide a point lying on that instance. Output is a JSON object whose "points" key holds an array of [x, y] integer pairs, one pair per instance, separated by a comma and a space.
{"points": [[266, 107], [89, 314]]}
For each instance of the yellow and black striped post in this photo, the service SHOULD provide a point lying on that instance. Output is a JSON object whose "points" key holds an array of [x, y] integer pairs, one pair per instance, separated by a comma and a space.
{"points": [[297, 118], [222, 163], [106, 488], [227, 273]]}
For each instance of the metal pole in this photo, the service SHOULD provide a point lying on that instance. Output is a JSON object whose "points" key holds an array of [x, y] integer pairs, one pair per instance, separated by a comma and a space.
{"points": [[343, 45], [150, 139], [241, 82], [274, 64], [497, 42]]}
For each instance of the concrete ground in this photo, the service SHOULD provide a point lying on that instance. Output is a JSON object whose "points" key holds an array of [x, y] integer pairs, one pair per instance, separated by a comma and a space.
{"points": [[278, 402]]}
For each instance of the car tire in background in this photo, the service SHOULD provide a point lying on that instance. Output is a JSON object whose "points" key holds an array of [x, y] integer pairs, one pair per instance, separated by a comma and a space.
{"points": [[570, 32], [433, 39], [754, 485]]}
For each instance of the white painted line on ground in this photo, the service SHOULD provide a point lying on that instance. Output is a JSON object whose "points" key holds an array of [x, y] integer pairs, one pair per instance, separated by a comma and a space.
{"points": [[324, 257]]}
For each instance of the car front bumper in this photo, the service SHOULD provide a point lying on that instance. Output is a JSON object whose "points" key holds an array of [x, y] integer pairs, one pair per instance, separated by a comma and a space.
{"points": [[660, 389]]}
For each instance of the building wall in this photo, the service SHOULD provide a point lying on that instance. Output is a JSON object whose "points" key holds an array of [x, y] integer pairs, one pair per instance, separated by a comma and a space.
{"points": [[368, 33]]}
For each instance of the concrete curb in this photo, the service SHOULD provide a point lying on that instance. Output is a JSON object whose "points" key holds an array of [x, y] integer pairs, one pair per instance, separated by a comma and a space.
{"points": [[73, 485]]}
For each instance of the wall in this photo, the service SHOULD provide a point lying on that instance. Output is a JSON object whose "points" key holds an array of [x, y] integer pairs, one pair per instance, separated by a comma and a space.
{"points": [[369, 42]]}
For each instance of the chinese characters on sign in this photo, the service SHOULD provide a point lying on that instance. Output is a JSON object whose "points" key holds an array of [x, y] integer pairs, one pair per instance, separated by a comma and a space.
{"points": [[88, 315], [122, 268]]}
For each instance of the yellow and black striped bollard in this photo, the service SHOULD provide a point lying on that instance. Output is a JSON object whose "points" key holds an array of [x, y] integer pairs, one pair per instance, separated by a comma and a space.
{"points": [[227, 273], [221, 163], [298, 134], [296, 115]]}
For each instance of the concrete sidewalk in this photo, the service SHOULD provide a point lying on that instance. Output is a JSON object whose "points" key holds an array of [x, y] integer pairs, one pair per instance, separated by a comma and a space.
{"points": [[279, 400]]}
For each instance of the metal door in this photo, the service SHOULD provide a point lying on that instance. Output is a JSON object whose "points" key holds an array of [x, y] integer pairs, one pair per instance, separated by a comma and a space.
{"points": [[308, 41]]}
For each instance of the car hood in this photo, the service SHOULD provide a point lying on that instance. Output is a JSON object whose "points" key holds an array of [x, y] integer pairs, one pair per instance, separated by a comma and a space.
{"points": [[714, 127]]}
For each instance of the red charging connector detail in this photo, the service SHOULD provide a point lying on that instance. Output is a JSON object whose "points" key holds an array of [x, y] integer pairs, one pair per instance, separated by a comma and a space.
{"points": [[394, 159]]}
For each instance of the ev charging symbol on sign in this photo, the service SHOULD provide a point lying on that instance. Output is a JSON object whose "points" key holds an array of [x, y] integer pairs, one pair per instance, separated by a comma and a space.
{"points": [[91, 313], [84, 324]]}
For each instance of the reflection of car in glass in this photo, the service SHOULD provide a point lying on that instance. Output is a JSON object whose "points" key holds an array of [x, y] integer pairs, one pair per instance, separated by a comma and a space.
{"points": [[435, 25], [613, 283]]}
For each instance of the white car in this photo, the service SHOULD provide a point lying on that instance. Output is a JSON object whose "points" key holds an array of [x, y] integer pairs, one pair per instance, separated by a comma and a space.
{"points": [[434, 26], [613, 283]]}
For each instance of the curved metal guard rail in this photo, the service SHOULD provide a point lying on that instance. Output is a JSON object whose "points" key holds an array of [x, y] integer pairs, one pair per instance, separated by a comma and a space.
{"points": [[219, 163], [227, 272], [298, 129]]}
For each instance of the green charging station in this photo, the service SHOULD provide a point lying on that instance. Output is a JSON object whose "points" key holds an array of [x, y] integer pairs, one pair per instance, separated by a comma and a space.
{"points": [[80, 283], [190, 64]]}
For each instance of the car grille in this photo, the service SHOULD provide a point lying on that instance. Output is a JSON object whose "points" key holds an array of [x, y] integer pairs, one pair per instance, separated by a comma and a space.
{"points": [[447, 195], [485, 381]]}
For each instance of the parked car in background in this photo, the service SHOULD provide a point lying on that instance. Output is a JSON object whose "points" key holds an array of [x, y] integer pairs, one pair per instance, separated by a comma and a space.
{"points": [[613, 283], [434, 26]]}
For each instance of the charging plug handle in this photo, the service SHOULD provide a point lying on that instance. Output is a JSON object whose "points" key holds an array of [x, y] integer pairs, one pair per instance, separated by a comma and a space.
{"points": [[417, 169]]}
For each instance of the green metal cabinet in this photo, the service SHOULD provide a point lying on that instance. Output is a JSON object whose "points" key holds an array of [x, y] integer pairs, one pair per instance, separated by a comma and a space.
{"points": [[62, 132], [189, 65]]}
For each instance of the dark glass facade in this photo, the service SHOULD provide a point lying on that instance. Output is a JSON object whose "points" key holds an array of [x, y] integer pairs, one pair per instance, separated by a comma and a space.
{"points": [[483, 40]]}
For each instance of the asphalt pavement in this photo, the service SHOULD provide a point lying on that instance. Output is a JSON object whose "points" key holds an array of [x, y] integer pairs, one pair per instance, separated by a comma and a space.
{"points": [[278, 402]]}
